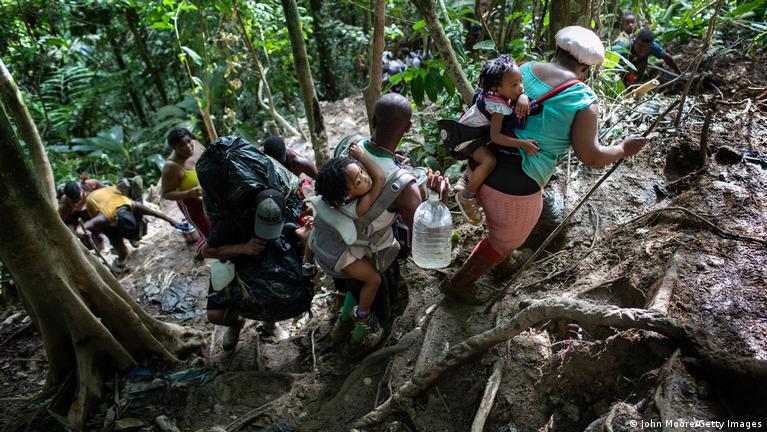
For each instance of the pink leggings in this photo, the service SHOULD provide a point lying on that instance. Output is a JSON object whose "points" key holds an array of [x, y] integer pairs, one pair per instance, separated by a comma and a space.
{"points": [[510, 218]]}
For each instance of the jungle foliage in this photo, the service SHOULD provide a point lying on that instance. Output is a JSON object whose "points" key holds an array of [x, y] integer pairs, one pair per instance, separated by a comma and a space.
{"points": [[106, 80]]}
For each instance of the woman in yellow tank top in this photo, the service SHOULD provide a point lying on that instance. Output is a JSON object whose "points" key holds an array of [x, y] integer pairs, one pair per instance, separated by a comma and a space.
{"points": [[179, 180]]}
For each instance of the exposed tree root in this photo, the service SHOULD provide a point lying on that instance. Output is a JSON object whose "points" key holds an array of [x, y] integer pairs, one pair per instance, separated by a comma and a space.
{"points": [[90, 326], [711, 359], [338, 401], [720, 231], [478, 425]]}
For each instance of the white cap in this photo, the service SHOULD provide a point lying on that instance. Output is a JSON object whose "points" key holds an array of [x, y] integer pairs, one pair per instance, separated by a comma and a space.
{"points": [[581, 43]]}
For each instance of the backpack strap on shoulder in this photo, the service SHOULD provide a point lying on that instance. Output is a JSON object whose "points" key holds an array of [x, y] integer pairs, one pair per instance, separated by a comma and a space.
{"points": [[395, 183], [556, 90]]}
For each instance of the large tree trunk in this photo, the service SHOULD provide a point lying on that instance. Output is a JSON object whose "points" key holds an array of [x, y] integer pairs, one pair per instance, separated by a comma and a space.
{"points": [[317, 131], [11, 97], [375, 66], [323, 51], [90, 326], [135, 101], [564, 13], [428, 8], [132, 18], [269, 104]]}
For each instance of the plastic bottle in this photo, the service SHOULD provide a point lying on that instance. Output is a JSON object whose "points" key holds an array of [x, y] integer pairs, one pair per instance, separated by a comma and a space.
{"points": [[432, 231]]}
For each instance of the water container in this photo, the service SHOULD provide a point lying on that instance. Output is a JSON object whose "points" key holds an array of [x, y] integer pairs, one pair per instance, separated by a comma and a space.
{"points": [[432, 231]]}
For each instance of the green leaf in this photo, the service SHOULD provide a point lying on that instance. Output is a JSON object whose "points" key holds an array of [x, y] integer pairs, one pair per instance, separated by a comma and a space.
{"points": [[486, 45], [746, 7], [170, 111], [417, 86], [193, 55], [162, 25], [433, 85], [448, 84], [395, 79], [419, 25], [55, 41], [612, 59]]}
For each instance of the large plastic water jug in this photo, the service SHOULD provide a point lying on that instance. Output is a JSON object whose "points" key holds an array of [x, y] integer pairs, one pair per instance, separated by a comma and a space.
{"points": [[432, 231]]}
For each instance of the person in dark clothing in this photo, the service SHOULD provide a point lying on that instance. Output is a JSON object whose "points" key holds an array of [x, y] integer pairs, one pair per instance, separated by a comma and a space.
{"points": [[294, 162], [638, 49]]}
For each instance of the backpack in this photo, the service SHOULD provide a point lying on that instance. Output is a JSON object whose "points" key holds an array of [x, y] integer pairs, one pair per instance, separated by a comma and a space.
{"points": [[460, 140]]}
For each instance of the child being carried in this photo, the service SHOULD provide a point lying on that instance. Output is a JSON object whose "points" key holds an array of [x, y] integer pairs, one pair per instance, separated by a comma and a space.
{"points": [[352, 186], [501, 104]]}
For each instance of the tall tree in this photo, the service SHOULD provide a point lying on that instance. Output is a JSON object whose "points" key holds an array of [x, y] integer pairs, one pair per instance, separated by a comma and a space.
{"points": [[317, 131], [11, 97], [117, 52], [269, 104], [567, 12], [91, 327], [131, 17], [428, 9], [323, 51], [375, 68]]}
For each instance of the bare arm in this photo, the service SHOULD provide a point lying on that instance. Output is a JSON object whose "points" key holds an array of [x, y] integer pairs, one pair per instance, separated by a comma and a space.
{"points": [[585, 140], [671, 63], [306, 166], [94, 223], [144, 210], [171, 179], [497, 137], [407, 202], [252, 247], [376, 176]]}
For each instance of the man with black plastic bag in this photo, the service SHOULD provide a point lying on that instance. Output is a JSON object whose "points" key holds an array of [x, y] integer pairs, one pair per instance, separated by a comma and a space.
{"points": [[255, 241]]}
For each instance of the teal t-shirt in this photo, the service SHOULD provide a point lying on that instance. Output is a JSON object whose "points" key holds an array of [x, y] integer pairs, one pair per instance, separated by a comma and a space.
{"points": [[550, 128]]}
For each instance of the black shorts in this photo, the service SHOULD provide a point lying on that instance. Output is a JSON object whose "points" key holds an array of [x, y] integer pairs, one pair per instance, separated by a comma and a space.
{"points": [[508, 176], [216, 299]]}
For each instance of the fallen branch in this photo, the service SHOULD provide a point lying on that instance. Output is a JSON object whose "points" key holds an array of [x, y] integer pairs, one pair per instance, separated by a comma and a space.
{"points": [[478, 425], [720, 365], [502, 293], [720, 231]]}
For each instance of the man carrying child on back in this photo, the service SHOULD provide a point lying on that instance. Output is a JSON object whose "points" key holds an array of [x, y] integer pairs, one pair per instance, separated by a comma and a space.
{"points": [[332, 236]]}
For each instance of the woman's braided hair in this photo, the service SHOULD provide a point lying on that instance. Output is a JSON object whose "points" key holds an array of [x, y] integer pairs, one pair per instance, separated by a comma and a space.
{"points": [[492, 72], [331, 181]]}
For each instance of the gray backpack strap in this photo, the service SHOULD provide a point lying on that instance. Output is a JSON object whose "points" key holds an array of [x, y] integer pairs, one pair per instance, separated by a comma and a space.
{"points": [[395, 183]]}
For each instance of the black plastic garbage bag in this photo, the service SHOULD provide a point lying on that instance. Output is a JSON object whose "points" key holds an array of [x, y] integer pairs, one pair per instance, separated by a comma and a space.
{"points": [[232, 172], [270, 286]]}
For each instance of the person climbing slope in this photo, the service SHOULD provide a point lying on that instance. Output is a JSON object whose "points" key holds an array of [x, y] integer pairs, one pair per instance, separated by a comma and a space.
{"points": [[118, 217], [512, 194], [501, 104], [179, 180], [351, 187]]}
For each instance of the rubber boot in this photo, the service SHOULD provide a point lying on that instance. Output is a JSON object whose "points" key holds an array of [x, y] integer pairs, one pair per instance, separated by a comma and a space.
{"points": [[481, 260], [344, 324]]}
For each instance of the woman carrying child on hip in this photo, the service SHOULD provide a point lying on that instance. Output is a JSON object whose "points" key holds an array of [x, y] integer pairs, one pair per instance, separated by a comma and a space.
{"points": [[352, 186], [501, 104]]}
